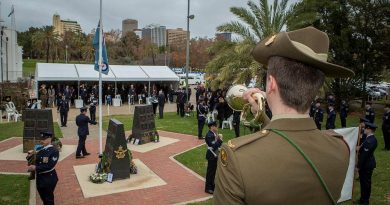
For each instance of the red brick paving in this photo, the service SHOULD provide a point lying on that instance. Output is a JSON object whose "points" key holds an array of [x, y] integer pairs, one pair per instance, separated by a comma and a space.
{"points": [[181, 184]]}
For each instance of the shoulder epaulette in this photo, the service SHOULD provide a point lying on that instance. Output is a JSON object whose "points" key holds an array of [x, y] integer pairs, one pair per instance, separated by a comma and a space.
{"points": [[236, 143]]}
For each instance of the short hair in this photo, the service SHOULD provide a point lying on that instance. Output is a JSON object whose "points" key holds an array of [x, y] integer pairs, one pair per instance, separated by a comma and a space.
{"points": [[298, 83]]}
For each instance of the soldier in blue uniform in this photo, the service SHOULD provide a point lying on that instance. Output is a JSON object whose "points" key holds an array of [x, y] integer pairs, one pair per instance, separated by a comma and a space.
{"points": [[386, 127], [362, 128], [370, 113], [82, 122], [46, 160], [214, 142], [318, 115], [344, 108], [330, 121], [92, 107], [367, 163], [63, 108], [202, 110], [236, 122]]}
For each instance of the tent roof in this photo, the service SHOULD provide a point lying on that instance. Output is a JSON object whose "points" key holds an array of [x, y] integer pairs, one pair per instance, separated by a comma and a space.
{"points": [[129, 73], [56, 72], [86, 72], [160, 73]]}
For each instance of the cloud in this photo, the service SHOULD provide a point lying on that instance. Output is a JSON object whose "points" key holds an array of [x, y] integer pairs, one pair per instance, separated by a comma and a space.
{"points": [[171, 13]]}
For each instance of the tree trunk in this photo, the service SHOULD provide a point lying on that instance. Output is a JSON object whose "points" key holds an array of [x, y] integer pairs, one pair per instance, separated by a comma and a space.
{"points": [[47, 50]]}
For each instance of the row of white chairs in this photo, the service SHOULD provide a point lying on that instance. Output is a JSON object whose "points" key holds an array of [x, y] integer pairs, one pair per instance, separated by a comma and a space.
{"points": [[11, 112], [212, 116]]}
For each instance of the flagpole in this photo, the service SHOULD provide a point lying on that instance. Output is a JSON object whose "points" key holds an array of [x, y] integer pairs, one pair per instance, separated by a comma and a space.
{"points": [[100, 80]]}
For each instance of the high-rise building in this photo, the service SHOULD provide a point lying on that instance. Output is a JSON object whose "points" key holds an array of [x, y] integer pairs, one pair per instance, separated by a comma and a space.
{"points": [[156, 34], [224, 36], [60, 26], [176, 37], [129, 25]]}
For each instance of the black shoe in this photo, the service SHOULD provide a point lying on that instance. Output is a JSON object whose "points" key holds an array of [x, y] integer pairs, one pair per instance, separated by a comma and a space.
{"points": [[209, 191], [79, 157], [62, 126], [86, 154], [200, 138], [65, 126]]}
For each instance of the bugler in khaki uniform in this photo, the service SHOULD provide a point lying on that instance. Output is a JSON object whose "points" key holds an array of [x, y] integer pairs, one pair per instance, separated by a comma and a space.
{"points": [[290, 161]]}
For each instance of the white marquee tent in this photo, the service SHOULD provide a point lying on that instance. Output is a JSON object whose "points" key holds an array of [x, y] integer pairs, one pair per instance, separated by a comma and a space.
{"points": [[120, 73], [55, 72]]}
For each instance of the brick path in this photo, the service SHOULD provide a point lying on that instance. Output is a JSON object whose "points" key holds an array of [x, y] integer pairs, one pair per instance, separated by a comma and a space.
{"points": [[181, 186]]}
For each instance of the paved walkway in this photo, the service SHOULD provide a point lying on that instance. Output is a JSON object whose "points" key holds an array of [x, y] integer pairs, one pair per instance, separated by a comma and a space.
{"points": [[182, 184]]}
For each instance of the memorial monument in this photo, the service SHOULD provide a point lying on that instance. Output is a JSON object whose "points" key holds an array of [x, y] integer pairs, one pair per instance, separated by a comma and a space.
{"points": [[144, 127]]}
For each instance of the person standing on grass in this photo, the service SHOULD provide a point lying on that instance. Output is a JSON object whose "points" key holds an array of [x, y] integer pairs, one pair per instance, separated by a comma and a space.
{"points": [[161, 103], [344, 108], [214, 142], [367, 163], [331, 120], [386, 127], [370, 112], [202, 110], [318, 115]]}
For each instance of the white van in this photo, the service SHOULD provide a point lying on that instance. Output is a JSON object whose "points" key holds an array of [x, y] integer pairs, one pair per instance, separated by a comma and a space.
{"points": [[193, 79]]}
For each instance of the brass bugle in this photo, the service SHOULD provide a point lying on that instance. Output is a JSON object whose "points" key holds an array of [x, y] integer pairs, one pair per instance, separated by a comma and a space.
{"points": [[235, 100]]}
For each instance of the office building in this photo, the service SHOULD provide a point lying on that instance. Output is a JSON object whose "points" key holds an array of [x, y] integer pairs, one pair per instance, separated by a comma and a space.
{"points": [[60, 26], [156, 34], [224, 36], [129, 25], [176, 37]]}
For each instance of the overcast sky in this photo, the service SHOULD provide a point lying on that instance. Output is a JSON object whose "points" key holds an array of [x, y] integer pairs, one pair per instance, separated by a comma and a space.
{"points": [[170, 13]]}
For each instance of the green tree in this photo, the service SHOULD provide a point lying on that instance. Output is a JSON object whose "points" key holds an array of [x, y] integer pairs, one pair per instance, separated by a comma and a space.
{"points": [[359, 38], [44, 39], [256, 23]]}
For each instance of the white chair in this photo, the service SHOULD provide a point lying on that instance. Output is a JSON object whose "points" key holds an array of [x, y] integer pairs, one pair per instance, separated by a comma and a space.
{"points": [[39, 104], [228, 122], [139, 99], [10, 112]]}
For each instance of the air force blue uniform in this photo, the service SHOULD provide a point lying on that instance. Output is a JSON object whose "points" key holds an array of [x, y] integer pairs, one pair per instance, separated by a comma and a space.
{"points": [[330, 122], [46, 179], [366, 165], [82, 123], [213, 143]]}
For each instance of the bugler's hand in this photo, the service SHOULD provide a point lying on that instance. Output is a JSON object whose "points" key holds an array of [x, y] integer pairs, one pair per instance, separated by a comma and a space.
{"points": [[31, 168], [248, 96]]}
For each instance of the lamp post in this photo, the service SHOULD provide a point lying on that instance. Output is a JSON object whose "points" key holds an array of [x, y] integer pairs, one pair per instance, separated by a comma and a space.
{"points": [[188, 45]]}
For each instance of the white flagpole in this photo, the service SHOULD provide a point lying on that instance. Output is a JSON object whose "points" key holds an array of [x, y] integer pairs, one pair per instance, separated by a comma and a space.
{"points": [[100, 80]]}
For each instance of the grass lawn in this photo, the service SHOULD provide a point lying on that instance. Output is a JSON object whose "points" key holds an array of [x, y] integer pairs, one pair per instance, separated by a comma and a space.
{"points": [[380, 193], [14, 189], [29, 66], [15, 129]]}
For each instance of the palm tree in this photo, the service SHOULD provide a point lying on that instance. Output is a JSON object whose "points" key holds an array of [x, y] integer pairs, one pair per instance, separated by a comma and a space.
{"points": [[233, 62], [45, 38]]}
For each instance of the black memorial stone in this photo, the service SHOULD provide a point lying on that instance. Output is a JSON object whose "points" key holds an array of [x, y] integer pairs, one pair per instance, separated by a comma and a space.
{"points": [[144, 127], [116, 155], [35, 122]]}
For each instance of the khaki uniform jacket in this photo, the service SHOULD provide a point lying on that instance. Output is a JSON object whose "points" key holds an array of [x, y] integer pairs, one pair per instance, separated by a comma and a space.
{"points": [[263, 168]]}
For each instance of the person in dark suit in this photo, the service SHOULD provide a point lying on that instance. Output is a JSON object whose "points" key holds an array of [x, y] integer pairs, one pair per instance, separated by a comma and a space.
{"points": [[318, 115], [386, 127], [330, 121], [182, 101], [92, 111], [82, 122], [202, 110], [214, 142], [367, 163], [236, 122], [63, 108], [370, 112], [46, 160], [362, 128], [344, 108], [161, 103]]}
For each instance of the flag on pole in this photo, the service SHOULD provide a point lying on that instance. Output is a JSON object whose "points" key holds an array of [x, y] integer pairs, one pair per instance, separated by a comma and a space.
{"points": [[105, 67], [12, 11]]}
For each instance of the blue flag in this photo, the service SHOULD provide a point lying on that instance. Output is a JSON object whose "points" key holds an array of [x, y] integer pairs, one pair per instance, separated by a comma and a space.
{"points": [[105, 67]]}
